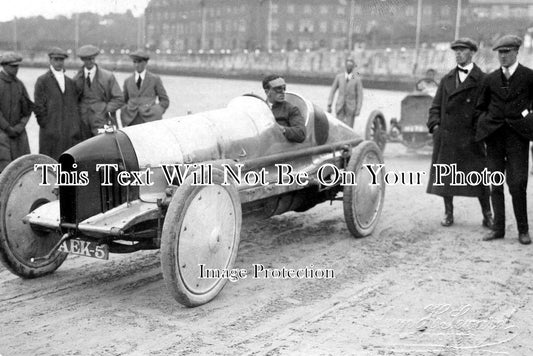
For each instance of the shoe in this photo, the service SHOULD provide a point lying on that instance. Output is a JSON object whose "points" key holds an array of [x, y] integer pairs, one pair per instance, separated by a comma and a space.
{"points": [[493, 235], [448, 212], [488, 221], [447, 221], [524, 238]]}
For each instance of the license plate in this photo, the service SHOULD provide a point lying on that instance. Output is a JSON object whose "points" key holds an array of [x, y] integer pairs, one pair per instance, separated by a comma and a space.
{"points": [[85, 248]]}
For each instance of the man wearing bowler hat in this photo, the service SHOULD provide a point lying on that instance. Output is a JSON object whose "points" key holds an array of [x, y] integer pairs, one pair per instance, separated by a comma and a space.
{"points": [[15, 111], [506, 125], [100, 94], [56, 107], [144, 94], [452, 121]]}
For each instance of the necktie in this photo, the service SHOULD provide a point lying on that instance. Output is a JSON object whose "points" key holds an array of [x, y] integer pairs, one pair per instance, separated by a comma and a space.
{"points": [[139, 81], [506, 73], [88, 79], [465, 71]]}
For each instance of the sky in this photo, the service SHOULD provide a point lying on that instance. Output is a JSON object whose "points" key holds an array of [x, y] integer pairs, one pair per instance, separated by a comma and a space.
{"points": [[51, 8]]}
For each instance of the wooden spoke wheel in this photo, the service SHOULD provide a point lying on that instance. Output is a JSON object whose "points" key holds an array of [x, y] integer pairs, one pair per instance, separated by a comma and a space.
{"points": [[376, 130], [202, 228], [20, 244], [363, 201]]}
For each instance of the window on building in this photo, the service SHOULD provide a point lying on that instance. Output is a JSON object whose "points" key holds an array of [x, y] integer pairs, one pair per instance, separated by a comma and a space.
{"points": [[306, 25], [308, 9], [358, 9], [275, 25], [323, 9], [340, 10], [290, 26], [274, 8], [427, 10], [323, 26], [410, 11], [290, 9], [445, 11], [242, 25]]}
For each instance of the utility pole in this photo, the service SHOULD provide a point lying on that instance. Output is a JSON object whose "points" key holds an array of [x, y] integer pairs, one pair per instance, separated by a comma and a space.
{"points": [[204, 24], [76, 31], [269, 27], [458, 19], [351, 24], [15, 40], [418, 30], [140, 31]]}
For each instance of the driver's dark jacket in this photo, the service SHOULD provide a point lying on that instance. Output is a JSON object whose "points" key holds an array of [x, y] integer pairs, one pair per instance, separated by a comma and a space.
{"points": [[289, 116]]}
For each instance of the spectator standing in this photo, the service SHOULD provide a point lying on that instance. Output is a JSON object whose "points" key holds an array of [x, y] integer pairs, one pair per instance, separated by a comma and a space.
{"points": [[56, 107], [350, 94], [144, 94], [100, 94], [452, 121], [506, 125], [15, 110]]}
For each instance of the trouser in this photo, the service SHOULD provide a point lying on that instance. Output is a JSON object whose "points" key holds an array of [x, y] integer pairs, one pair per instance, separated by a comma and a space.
{"points": [[484, 202], [508, 152]]}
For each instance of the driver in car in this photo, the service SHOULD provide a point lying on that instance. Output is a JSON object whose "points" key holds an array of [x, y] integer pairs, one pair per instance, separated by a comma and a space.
{"points": [[289, 119]]}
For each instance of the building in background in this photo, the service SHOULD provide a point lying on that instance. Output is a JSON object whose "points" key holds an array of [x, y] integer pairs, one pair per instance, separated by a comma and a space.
{"points": [[221, 25]]}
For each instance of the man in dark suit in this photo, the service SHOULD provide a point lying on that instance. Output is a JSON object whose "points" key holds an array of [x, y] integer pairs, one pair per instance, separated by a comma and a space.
{"points": [[350, 94], [506, 125], [56, 108], [452, 122], [289, 119], [100, 94], [144, 94]]}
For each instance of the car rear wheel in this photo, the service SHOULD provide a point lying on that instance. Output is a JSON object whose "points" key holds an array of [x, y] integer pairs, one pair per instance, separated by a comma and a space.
{"points": [[363, 201], [200, 239], [20, 243], [376, 131]]}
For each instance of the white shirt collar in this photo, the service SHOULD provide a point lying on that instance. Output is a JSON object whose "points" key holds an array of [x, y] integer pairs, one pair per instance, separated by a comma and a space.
{"points": [[142, 74], [512, 68], [91, 72], [468, 67]]}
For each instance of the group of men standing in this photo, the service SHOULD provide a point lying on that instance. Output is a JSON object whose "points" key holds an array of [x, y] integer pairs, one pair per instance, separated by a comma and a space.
{"points": [[69, 111], [484, 121]]}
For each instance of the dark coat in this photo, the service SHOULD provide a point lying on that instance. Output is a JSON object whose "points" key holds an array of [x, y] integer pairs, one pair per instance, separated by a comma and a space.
{"points": [[454, 110], [57, 114], [289, 116], [95, 114], [141, 103], [499, 105], [15, 111]]}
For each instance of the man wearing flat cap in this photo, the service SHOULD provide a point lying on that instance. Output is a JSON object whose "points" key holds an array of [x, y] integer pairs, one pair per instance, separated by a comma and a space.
{"points": [[290, 121], [452, 121], [144, 94], [506, 126], [15, 111], [56, 108], [100, 94]]}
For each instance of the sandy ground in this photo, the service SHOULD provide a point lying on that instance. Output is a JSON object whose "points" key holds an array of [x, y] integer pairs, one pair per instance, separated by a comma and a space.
{"points": [[411, 288]]}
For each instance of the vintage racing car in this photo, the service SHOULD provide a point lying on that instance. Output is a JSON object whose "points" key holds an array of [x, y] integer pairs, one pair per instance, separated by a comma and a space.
{"points": [[168, 185]]}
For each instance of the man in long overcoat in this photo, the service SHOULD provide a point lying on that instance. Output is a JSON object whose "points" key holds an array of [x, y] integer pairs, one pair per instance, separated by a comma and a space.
{"points": [[15, 111], [56, 108], [506, 126], [100, 96], [144, 94], [350, 94], [452, 120]]}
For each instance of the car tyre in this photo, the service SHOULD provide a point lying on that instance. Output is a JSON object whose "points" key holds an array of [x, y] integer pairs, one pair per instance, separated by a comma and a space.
{"points": [[20, 243], [376, 130], [202, 227], [363, 201]]}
